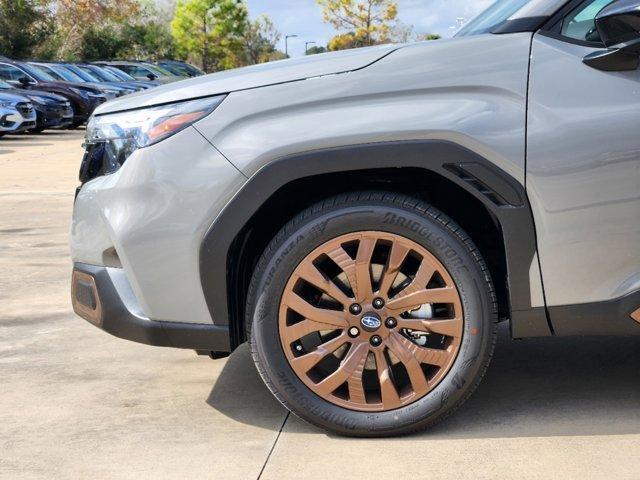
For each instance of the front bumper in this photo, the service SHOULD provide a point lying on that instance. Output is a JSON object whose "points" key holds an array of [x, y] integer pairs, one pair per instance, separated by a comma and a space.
{"points": [[104, 298], [149, 218], [54, 117]]}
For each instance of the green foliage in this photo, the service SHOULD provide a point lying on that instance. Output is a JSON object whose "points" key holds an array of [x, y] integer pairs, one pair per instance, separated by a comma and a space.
{"points": [[24, 25], [315, 50], [210, 32], [260, 39], [368, 22]]}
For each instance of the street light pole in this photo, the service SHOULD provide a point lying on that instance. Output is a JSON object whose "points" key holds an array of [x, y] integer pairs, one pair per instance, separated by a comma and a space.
{"points": [[306, 47], [286, 43]]}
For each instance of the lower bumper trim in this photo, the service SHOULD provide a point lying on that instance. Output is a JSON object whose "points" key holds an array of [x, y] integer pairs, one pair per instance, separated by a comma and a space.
{"points": [[110, 313]]}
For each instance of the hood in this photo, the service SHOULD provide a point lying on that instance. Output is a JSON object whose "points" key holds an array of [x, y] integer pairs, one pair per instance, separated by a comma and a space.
{"points": [[12, 97], [66, 86], [255, 76], [41, 94]]}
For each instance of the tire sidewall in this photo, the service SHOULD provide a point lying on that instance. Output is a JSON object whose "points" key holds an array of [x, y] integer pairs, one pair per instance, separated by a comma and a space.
{"points": [[427, 229]]}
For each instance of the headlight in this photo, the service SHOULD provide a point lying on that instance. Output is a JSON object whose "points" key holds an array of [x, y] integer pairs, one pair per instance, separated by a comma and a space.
{"points": [[114, 137]]}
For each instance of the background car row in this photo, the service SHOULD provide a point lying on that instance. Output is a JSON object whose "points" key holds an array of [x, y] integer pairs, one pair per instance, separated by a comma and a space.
{"points": [[40, 95]]}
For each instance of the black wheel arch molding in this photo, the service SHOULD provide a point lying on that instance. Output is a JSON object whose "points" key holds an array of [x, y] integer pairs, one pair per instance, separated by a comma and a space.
{"points": [[501, 194]]}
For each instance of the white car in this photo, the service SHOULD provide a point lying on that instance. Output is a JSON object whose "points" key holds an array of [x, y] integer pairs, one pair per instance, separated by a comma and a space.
{"points": [[16, 114]]}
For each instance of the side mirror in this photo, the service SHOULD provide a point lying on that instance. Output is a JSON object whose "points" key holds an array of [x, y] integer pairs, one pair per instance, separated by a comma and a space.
{"points": [[151, 77], [24, 81], [618, 26]]}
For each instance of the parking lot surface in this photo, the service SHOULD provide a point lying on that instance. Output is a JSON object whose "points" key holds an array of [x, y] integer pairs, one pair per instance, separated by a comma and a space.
{"points": [[78, 403]]}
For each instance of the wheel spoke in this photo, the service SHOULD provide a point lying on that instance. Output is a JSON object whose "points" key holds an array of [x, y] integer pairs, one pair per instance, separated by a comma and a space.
{"points": [[352, 363], [388, 392], [406, 301], [402, 348], [449, 327], [312, 275], [396, 259], [363, 268], [358, 270], [331, 318], [310, 360], [406, 348]]}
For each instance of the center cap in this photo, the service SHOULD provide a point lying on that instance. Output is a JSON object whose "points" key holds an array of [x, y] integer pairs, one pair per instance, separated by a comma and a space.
{"points": [[371, 322]]}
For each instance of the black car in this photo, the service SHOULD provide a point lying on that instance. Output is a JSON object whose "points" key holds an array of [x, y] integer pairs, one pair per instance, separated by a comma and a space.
{"points": [[83, 98], [53, 111]]}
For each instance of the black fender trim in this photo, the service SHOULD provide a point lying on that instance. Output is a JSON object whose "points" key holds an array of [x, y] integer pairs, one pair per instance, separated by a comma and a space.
{"points": [[611, 317], [502, 195]]}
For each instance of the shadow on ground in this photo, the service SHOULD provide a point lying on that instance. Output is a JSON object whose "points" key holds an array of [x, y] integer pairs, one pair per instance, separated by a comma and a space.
{"points": [[534, 387]]}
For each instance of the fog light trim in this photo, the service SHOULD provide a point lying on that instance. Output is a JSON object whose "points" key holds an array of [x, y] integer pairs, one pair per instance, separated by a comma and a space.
{"points": [[85, 299]]}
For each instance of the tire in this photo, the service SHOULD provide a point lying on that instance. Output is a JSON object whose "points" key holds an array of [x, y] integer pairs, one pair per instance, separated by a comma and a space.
{"points": [[38, 130], [339, 231]]}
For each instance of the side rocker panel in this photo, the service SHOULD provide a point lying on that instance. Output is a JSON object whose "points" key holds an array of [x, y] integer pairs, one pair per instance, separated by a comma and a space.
{"points": [[501, 194]]}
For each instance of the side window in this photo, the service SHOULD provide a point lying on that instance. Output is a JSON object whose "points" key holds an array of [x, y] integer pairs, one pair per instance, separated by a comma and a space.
{"points": [[580, 24], [9, 72]]}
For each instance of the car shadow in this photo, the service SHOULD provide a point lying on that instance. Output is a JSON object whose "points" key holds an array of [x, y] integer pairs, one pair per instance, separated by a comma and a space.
{"points": [[534, 387]]}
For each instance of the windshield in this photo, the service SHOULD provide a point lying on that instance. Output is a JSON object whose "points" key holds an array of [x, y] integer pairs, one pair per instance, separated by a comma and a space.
{"points": [[159, 71], [492, 17], [119, 73], [97, 72], [37, 73], [86, 77], [66, 74]]}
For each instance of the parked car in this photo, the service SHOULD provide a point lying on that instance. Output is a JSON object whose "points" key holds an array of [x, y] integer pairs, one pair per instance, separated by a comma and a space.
{"points": [[179, 68], [16, 114], [83, 98], [365, 218], [64, 73], [106, 76], [125, 76], [53, 111], [142, 71]]}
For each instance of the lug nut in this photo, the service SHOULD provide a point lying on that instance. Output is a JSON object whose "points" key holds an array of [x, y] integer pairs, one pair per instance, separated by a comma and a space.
{"points": [[376, 341], [354, 332], [391, 323], [298, 348], [378, 303], [355, 309]]}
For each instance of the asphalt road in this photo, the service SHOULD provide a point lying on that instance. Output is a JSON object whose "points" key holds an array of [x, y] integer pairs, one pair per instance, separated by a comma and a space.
{"points": [[77, 403]]}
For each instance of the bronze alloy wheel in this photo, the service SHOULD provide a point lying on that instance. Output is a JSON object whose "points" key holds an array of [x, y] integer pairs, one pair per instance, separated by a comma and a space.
{"points": [[370, 321]]}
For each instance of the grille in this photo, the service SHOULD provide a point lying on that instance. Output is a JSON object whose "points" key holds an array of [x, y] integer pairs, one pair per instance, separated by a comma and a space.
{"points": [[25, 109]]}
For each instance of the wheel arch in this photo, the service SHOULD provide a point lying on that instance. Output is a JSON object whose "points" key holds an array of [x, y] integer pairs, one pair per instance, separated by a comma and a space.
{"points": [[429, 169]]}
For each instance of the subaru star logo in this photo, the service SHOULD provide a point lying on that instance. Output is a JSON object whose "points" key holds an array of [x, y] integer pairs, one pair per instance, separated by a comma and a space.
{"points": [[370, 322]]}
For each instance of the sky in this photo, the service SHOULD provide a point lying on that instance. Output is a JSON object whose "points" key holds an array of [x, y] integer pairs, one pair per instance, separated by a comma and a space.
{"points": [[304, 18]]}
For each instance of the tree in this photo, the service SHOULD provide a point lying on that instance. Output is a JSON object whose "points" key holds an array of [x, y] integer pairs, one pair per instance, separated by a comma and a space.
{"points": [[260, 39], [24, 25], [366, 22], [210, 31], [76, 18], [316, 50]]}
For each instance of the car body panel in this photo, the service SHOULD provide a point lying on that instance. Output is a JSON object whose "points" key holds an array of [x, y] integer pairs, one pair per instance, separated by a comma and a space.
{"points": [[254, 76], [584, 174], [432, 90]]}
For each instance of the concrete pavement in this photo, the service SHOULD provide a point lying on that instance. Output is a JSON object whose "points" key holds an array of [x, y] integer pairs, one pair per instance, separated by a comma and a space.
{"points": [[77, 403]]}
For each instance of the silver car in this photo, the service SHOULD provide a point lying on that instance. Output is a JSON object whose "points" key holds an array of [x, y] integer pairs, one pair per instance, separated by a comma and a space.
{"points": [[365, 218], [16, 114]]}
